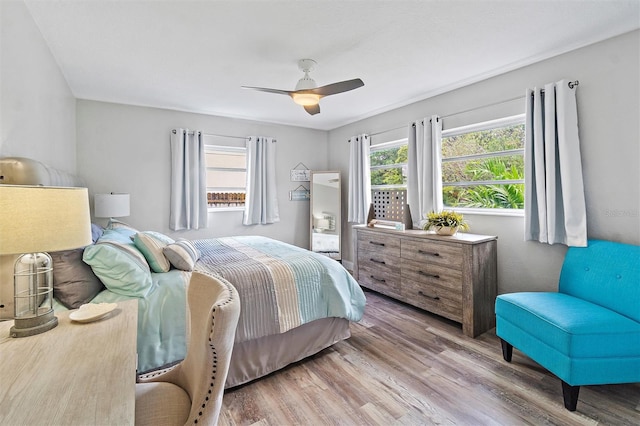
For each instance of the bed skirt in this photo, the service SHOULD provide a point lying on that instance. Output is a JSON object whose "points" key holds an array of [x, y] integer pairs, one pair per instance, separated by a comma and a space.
{"points": [[256, 358]]}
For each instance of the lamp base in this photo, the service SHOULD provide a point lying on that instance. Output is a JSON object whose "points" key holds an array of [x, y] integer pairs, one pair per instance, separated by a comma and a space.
{"points": [[24, 327]]}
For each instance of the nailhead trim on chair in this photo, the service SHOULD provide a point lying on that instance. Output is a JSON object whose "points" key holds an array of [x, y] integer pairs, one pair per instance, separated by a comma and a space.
{"points": [[156, 372], [213, 349]]}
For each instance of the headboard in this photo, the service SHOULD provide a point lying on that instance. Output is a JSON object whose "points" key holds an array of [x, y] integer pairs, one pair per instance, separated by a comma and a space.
{"points": [[25, 171]]}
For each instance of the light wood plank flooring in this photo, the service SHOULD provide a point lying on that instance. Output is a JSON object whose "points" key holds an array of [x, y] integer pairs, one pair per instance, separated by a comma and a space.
{"points": [[405, 366]]}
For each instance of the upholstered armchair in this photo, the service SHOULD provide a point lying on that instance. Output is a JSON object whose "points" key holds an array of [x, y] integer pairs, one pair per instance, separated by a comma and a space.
{"points": [[191, 391], [587, 333]]}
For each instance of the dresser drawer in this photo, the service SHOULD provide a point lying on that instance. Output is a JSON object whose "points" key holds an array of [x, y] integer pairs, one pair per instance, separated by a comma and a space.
{"points": [[384, 280], [379, 261], [388, 245], [433, 299], [432, 252], [430, 274]]}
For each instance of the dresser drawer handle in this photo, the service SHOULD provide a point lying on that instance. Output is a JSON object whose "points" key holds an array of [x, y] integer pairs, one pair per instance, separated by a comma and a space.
{"points": [[427, 296], [430, 253], [378, 279], [425, 274], [382, 262], [375, 243]]}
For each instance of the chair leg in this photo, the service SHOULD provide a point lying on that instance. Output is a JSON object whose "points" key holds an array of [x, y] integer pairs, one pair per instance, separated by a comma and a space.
{"points": [[570, 395], [507, 350]]}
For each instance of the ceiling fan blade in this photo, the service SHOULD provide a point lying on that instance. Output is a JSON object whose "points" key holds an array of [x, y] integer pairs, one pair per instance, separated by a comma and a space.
{"points": [[312, 109], [264, 89], [335, 88]]}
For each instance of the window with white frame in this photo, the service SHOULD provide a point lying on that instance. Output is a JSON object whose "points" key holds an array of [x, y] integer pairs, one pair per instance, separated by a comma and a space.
{"points": [[483, 165], [226, 177], [388, 162]]}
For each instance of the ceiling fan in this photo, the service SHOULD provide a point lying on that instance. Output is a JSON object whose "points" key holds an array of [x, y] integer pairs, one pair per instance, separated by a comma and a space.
{"points": [[307, 93]]}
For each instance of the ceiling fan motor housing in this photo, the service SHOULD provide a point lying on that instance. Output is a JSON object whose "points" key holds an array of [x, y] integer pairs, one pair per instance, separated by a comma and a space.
{"points": [[306, 82]]}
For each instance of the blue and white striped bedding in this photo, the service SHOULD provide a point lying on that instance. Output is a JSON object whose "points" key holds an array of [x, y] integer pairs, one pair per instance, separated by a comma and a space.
{"points": [[280, 287]]}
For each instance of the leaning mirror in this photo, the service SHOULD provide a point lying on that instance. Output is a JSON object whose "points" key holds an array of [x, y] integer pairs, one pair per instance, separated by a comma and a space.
{"points": [[325, 214]]}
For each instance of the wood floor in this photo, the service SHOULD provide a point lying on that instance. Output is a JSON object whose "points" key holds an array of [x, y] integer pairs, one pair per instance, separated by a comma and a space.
{"points": [[407, 367]]}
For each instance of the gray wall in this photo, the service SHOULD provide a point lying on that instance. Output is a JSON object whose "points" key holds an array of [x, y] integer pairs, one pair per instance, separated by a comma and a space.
{"points": [[126, 149], [37, 108], [608, 111]]}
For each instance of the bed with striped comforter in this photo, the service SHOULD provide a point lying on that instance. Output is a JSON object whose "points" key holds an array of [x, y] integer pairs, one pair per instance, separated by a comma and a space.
{"points": [[281, 286]]}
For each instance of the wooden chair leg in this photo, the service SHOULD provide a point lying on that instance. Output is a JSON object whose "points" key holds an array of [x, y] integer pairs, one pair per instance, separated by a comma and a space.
{"points": [[507, 350], [570, 395]]}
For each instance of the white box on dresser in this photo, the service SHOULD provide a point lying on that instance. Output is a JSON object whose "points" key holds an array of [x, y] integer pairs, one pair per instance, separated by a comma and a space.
{"points": [[455, 277]]}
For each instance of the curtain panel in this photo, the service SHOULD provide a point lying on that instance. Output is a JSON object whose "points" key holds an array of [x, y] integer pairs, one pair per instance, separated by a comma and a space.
{"points": [[424, 156], [359, 197], [188, 208], [261, 203], [555, 209]]}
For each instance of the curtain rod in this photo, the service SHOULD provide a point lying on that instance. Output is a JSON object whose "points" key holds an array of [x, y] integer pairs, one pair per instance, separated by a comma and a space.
{"points": [[191, 132], [571, 85]]}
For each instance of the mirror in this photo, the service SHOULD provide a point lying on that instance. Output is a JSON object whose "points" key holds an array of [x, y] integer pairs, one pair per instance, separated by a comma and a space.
{"points": [[325, 215]]}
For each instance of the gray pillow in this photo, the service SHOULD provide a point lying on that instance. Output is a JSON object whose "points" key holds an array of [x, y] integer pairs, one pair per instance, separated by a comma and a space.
{"points": [[74, 282]]}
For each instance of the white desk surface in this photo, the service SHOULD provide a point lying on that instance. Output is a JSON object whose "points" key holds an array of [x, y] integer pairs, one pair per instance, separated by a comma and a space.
{"points": [[74, 374]]}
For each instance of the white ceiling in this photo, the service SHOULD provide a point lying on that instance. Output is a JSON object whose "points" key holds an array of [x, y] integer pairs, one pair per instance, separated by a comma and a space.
{"points": [[194, 55]]}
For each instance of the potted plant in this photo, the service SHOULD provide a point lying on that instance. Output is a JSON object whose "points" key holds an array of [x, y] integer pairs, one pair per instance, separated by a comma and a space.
{"points": [[446, 222]]}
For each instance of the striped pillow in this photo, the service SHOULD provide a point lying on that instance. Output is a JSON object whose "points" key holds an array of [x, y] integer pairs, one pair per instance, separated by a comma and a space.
{"points": [[182, 255], [150, 245]]}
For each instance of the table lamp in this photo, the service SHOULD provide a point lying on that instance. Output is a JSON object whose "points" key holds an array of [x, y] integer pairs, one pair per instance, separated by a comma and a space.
{"points": [[111, 205], [34, 220]]}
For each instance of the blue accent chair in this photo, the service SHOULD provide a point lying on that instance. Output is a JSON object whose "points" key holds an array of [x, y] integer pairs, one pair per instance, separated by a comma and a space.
{"points": [[588, 333]]}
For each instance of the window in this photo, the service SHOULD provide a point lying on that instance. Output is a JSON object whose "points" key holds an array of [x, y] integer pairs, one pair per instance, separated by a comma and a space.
{"points": [[226, 177], [483, 165], [389, 165]]}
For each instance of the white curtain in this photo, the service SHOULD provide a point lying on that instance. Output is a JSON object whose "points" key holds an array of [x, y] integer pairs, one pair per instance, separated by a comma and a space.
{"points": [[424, 185], [554, 194], [188, 181], [261, 204], [359, 197]]}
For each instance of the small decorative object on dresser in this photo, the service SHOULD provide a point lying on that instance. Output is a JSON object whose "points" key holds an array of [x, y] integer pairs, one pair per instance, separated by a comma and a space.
{"points": [[445, 223], [455, 277]]}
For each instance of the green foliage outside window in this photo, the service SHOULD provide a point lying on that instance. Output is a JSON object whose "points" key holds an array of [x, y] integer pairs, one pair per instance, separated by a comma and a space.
{"points": [[389, 157], [496, 196], [504, 167]]}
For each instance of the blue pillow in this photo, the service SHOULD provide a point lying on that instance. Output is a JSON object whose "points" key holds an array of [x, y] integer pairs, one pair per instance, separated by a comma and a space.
{"points": [[150, 245], [121, 227], [96, 232], [119, 264]]}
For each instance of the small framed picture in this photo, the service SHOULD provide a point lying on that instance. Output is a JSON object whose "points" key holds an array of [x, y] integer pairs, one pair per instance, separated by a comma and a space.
{"points": [[300, 194], [300, 175]]}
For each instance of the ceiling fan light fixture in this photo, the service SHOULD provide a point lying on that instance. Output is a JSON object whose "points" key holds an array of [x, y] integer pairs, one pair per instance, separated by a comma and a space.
{"points": [[306, 99]]}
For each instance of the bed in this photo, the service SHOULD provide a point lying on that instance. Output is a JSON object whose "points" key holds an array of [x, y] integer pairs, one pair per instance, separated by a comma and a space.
{"points": [[294, 302]]}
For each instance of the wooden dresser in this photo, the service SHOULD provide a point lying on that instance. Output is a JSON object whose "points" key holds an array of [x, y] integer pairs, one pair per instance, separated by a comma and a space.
{"points": [[455, 277]]}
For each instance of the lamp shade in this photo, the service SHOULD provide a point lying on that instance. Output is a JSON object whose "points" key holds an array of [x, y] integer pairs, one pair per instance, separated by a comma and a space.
{"points": [[111, 205], [39, 218]]}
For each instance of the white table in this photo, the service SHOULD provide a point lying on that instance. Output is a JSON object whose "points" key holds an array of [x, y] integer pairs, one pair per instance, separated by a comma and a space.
{"points": [[75, 374]]}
